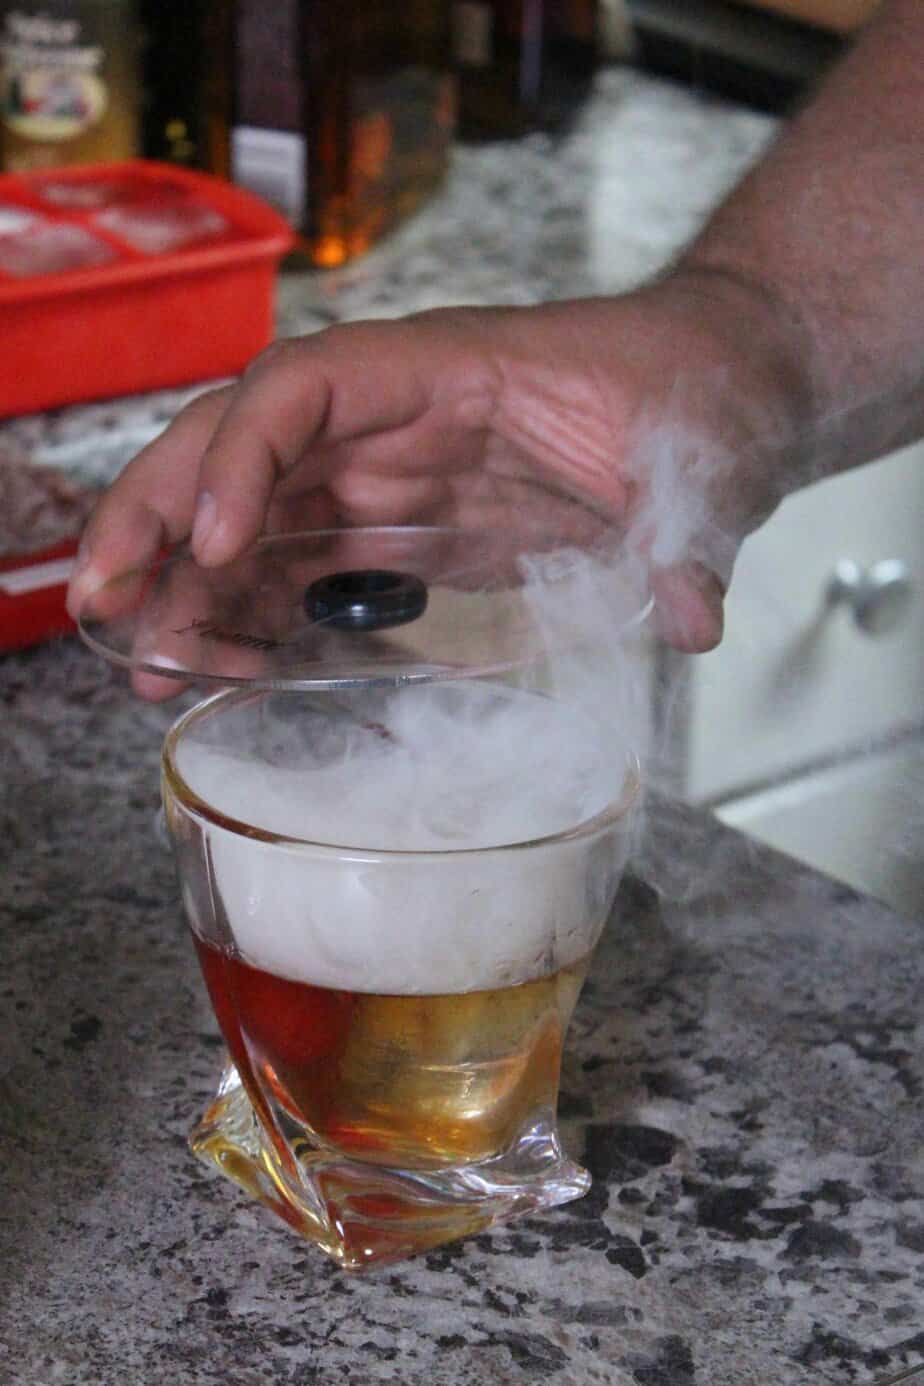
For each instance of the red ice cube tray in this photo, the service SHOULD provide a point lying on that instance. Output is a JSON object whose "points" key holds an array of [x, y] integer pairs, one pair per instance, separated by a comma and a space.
{"points": [[32, 591], [143, 320]]}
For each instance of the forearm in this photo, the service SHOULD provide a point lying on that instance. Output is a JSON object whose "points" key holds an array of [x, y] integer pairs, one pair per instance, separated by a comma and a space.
{"points": [[825, 238]]}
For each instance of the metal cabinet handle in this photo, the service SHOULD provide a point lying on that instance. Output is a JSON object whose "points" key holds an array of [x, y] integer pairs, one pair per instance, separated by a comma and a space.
{"points": [[878, 596]]}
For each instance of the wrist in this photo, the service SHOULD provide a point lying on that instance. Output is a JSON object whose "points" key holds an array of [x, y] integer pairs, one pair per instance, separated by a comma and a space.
{"points": [[720, 410], [750, 377], [766, 344]]}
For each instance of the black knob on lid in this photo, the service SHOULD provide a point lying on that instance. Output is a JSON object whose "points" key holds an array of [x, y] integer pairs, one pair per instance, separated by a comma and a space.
{"points": [[366, 599]]}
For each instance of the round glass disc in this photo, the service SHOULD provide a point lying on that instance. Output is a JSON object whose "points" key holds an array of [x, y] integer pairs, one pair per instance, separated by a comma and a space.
{"points": [[335, 608]]}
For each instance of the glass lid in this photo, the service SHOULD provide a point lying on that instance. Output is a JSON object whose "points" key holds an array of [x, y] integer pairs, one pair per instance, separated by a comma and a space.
{"points": [[330, 608]]}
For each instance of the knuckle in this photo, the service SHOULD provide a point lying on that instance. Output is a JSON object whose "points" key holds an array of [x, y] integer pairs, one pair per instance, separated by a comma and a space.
{"points": [[462, 320], [278, 355], [206, 403], [110, 504]]}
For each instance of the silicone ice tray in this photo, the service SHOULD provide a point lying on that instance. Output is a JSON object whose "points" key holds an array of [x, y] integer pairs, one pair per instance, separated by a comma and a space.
{"points": [[120, 278]]}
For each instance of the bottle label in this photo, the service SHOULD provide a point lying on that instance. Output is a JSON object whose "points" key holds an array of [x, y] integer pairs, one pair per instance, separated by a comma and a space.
{"points": [[472, 33], [269, 151], [273, 164], [51, 77]]}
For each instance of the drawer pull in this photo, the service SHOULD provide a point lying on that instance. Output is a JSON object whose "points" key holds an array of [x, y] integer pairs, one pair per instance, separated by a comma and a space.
{"points": [[878, 595]]}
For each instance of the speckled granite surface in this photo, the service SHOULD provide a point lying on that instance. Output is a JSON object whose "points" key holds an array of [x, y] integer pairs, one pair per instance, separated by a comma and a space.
{"points": [[744, 1080], [745, 1071]]}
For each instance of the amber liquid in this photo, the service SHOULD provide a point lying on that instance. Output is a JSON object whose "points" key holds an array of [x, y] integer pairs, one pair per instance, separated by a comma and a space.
{"points": [[522, 64], [369, 90], [406, 1081], [188, 56]]}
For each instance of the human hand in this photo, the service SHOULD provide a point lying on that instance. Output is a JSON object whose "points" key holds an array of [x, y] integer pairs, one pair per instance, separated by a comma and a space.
{"points": [[564, 418]]}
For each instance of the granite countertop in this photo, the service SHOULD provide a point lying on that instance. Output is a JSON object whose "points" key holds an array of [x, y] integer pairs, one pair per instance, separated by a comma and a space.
{"points": [[743, 1080], [744, 1073]]}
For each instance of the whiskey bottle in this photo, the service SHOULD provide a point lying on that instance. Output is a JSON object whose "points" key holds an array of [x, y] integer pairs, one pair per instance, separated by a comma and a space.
{"points": [[343, 114], [187, 64], [522, 64], [69, 82]]}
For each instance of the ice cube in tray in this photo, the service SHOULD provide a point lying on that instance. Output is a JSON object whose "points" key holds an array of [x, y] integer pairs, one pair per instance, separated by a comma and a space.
{"points": [[81, 196], [157, 226], [47, 248], [14, 219]]}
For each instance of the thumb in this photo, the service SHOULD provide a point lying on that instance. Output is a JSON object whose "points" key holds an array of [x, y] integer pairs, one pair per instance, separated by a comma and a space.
{"points": [[689, 607]]}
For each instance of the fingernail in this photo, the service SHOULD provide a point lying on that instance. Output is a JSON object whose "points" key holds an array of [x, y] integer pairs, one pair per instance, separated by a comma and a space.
{"points": [[81, 557], [204, 523], [84, 582]]}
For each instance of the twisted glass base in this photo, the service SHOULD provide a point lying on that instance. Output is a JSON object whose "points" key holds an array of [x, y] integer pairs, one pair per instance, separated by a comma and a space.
{"points": [[364, 1214]]}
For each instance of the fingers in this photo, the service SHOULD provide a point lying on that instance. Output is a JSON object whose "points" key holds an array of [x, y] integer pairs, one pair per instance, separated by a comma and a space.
{"points": [[197, 625], [689, 607], [384, 423], [376, 390], [315, 393], [150, 504]]}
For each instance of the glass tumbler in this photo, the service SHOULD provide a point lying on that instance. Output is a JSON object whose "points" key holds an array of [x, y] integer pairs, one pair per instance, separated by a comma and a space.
{"points": [[394, 991]]}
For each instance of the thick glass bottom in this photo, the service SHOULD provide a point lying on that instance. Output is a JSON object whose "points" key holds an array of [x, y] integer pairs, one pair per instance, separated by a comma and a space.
{"points": [[365, 1215]]}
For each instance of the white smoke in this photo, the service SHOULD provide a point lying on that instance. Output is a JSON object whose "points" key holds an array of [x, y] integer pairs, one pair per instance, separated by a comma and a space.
{"points": [[460, 771], [401, 806], [420, 768], [698, 502]]}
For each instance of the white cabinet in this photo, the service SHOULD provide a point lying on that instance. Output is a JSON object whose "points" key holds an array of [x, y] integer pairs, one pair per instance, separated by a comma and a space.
{"points": [[861, 821], [804, 729], [796, 679]]}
